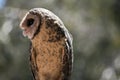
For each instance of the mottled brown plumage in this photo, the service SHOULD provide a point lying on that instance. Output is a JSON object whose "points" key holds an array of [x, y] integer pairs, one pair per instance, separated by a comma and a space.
{"points": [[51, 49]]}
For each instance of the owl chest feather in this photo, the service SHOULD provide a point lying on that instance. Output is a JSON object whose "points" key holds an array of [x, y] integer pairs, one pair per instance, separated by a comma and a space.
{"points": [[48, 59], [49, 56]]}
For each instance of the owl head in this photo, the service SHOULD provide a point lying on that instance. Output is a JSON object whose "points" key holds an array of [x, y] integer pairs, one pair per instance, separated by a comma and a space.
{"points": [[40, 20], [31, 23]]}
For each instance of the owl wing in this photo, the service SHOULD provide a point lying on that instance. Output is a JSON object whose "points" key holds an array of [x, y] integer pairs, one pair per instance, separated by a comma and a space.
{"points": [[68, 57], [33, 64]]}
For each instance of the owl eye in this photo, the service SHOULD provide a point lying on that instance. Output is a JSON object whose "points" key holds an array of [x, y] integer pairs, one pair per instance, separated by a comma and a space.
{"points": [[30, 22]]}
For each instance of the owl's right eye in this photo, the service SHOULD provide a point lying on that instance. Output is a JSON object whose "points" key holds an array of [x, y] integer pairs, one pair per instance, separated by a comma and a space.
{"points": [[30, 22]]}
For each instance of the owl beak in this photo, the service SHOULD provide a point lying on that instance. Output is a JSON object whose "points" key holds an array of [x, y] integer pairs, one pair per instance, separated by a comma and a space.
{"points": [[24, 32]]}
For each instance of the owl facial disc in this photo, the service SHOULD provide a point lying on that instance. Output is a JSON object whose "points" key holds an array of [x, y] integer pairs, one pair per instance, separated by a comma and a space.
{"points": [[29, 25]]}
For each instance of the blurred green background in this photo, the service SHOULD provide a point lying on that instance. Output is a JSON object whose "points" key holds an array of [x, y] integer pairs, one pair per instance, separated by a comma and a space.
{"points": [[94, 24]]}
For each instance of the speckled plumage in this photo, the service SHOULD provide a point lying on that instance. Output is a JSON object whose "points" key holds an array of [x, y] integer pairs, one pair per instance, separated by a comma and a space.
{"points": [[51, 50]]}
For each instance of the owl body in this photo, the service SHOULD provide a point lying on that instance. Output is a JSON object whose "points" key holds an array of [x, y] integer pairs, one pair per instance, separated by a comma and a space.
{"points": [[51, 45]]}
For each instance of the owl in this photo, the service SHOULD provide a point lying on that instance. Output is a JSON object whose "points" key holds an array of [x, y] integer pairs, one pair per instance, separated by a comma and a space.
{"points": [[51, 51]]}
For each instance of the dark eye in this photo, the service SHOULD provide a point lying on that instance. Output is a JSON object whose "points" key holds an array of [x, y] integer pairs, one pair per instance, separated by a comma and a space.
{"points": [[30, 22]]}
